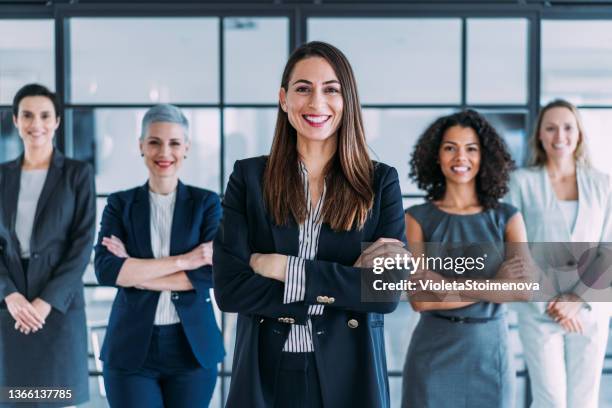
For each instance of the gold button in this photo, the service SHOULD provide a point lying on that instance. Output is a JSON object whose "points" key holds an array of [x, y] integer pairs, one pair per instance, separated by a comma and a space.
{"points": [[290, 320], [331, 300], [321, 299], [282, 320], [353, 323]]}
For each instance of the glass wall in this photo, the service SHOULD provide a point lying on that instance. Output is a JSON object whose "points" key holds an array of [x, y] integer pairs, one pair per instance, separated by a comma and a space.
{"points": [[224, 71], [577, 66], [27, 54]]}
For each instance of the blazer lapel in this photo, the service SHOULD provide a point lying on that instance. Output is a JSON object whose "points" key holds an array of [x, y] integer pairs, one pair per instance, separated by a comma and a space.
{"points": [[10, 194], [141, 221], [286, 238], [53, 177], [181, 220]]}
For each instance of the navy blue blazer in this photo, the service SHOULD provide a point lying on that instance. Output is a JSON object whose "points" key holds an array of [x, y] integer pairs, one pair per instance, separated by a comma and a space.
{"points": [[350, 356], [127, 216]]}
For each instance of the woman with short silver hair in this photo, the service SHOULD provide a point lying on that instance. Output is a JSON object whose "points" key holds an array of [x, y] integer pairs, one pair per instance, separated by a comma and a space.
{"points": [[162, 344]]}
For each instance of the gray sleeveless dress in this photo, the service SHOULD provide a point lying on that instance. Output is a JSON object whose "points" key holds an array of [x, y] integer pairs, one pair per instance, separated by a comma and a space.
{"points": [[458, 364]]}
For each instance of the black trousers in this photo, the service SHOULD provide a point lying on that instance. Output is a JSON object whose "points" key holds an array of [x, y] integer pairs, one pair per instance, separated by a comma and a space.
{"points": [[297, 382]]}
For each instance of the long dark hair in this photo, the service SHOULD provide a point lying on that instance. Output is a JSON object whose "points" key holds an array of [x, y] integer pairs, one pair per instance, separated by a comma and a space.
{"points": [[349, 195]]}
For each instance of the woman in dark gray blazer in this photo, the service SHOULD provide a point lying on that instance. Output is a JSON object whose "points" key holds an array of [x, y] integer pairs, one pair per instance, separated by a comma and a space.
{"points": [[47, 221]]}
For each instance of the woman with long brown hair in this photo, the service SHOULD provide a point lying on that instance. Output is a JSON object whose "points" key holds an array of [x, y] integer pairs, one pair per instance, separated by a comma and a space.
{"points": [[288, 252]]}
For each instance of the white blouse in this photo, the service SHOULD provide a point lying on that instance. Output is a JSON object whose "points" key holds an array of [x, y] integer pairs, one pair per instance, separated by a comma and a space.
{"points": [[569, 208], [30, 187], [299, 339], [162, 211]]}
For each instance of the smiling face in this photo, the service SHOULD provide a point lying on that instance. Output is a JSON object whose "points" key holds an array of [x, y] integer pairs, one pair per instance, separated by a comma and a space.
{"points": [[313, 100], [36, 122], [164, 148], [559, 133], [459, 155]]}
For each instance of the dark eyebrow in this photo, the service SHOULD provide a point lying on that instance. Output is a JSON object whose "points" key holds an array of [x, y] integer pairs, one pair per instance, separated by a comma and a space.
{"points": [[467, 144], [305, 81], [174, 139], [30, 112]]}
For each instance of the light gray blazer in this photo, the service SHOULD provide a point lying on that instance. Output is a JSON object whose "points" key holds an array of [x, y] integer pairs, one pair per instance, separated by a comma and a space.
{"points": [[532, 193]]}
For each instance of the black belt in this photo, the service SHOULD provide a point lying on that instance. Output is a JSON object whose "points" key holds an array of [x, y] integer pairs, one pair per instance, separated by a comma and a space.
{"points": [[467, 320]]}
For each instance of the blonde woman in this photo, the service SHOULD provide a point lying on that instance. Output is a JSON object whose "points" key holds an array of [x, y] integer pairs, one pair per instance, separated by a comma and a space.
{"points": [[563, 199]]}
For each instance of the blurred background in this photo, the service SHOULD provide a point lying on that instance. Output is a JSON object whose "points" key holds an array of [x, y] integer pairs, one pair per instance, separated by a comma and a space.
{"points": [[222, 61]]}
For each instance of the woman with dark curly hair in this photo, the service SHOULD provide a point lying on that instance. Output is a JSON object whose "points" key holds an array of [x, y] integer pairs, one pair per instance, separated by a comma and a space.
{"points": [[458, 354]]}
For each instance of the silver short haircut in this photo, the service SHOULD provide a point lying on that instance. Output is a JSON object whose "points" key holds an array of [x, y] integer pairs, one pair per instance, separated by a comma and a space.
{"points": [[164, 113]]}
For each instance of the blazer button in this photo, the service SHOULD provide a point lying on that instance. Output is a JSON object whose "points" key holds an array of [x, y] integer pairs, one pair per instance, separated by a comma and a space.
{"points": [[282, 319], [320, 299], [174, 296], [35, 255], [291, 320], [353, 323], [331, 300]]}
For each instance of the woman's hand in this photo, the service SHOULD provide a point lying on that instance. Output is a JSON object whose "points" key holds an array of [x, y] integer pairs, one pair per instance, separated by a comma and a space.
{"points": [[197, 257], [27, 318], [42, 307], [512, 269], [426, 275], [565, 306], [272, 266], [381, 248], [115, 246], [572, 325]]}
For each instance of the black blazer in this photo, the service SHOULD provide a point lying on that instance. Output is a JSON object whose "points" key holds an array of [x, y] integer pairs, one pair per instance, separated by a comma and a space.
{"points": [[195, 220], [60, 249], [62, 235], [351, 360]]}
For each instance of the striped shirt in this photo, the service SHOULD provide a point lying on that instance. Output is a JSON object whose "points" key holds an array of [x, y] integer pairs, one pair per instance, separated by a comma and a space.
{"points": [[162, 211], [300, 336]]}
